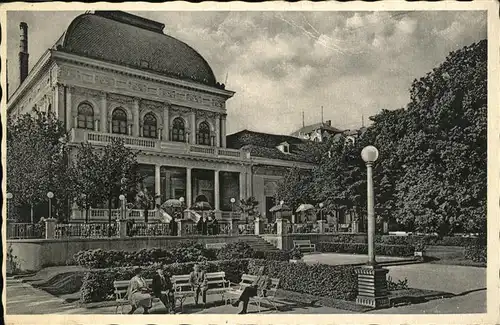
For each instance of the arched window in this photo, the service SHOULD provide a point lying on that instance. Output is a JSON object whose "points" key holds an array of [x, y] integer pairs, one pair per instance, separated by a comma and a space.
{"points": [[149, 129], [85, 116], [178, 130], [119, 121], [204, 134]]}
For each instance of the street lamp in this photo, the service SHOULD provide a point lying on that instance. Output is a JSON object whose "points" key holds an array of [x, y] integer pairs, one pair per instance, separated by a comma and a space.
{"points": [[122, 199], [321, 205], [9, 197], [50, 195], [232, 205], [369, 155]]}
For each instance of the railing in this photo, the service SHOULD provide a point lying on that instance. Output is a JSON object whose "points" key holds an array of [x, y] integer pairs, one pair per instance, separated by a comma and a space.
{"points": [[25, 230], [102, 214], [269, 228], [202, 149], [229, 153], [229, 215], [150, 229], [86, 230], [303, 228], [128, 140], [247, 228]]}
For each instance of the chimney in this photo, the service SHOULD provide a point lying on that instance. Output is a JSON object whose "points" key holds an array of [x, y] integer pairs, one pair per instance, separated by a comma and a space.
{"points": [[328, 122], [23, 52]]}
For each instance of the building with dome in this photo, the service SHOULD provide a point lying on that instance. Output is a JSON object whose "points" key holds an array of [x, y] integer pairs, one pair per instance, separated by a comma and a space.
{"points": [[116, 75]]}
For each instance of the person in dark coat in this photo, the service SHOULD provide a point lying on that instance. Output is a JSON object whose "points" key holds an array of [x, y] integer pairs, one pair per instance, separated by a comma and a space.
{"points": [[163, 289], [215, 227], [259, 287], [199, 284]]}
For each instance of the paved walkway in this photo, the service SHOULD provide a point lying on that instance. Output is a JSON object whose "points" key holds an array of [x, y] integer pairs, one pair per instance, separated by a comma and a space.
{"points": [[341, 259]]}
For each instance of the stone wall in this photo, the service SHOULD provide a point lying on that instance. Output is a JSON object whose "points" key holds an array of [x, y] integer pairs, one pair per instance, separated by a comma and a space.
{"points": [[32, 255]]}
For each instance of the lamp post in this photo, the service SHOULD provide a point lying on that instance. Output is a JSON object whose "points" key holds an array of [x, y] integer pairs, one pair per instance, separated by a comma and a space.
{"points": [[9, 197], [232, 206], [372, 283], [321, 205], [370, 155], [122, 199], [50, 195]]}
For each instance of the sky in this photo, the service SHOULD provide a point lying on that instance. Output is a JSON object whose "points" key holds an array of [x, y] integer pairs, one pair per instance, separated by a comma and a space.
{"points": [[281, 63]]}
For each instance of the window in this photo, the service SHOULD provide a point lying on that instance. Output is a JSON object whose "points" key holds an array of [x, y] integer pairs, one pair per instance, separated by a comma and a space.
{"points": [[119, 121], [149, 129], [85, 116], [286, 149], [204, 134], [178, 130]]}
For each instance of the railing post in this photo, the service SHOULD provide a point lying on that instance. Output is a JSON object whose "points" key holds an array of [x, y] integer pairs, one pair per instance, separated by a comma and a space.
{"points": [[50, 228], [321, 226], [355, 226], [259, 225], [122, 228], [281, 226], [234, 227], [180, 227]]}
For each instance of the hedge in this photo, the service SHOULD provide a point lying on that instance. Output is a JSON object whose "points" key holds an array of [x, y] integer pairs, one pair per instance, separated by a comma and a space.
{"points": [[427, 240], [334, 281], [476, 253], [356, 248], [98, 283]]}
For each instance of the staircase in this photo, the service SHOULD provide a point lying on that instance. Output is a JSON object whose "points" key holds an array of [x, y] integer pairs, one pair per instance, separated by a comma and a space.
{"points": [[259, 244]]}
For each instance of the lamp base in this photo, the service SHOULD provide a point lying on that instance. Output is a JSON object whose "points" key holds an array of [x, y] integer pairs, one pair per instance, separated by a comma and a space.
{"points": [[372, 286]]}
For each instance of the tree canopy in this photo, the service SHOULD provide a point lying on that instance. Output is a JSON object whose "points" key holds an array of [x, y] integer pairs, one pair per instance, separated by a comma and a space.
{"points": [[431, 171]]}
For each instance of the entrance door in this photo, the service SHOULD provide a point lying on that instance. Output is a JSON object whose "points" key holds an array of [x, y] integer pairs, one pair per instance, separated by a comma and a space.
{"points": [[269, 205]]}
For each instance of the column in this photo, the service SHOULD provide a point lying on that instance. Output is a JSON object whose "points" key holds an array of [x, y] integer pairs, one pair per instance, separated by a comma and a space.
{"points": [[217, 132], [166, 124], [69, 110], [59, 103], [104, 114], [136, 112], [96, 125], [259, 226], [158, 183], [188, 187], [223, 131], [242, 184], [160, 132], [216, 191], [193, 127]]}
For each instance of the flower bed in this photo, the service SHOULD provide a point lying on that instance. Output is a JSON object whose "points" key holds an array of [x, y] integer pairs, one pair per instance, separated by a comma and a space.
{"points": [[357, 248], [334, 281], [98, 283]]}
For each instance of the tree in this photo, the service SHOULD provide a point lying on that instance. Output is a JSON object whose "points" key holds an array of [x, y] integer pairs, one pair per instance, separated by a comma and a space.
{"points": [[105, 173], [249, 208], [294, 188], [37, 162]]}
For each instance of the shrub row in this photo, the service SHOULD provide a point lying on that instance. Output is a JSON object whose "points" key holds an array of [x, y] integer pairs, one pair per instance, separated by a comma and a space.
{"points": [[427, 240], [334, 281], [357, 248], [97, 284], [184, 252], [188, 252], [476, 253]]}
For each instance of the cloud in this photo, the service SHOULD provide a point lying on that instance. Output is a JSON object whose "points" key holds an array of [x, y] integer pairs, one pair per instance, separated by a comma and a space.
{"points": [[282, 63]]}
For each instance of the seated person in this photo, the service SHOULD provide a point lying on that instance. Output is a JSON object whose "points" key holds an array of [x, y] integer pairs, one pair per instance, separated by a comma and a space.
{"points": [[161, 283], [138, 293], [258, 287], [199, 284]]}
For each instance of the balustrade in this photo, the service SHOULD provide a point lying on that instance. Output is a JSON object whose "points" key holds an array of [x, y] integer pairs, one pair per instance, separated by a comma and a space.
{"points": [[86, 230], [25, 230]]}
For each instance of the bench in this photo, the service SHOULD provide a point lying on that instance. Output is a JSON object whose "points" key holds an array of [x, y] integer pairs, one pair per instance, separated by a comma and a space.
{"points": [[247, 280], [304, 245], [215, 245], [121, 288], [217, 284]]}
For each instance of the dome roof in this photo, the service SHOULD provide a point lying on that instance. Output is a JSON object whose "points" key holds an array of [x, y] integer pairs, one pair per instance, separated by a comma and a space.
{"points": [[133, 41]]}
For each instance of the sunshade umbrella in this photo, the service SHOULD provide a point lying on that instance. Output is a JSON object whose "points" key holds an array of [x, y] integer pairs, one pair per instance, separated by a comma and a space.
{"points": [[280, 207], [201, 206], [305, 207], [172, 203], [166, 218]]}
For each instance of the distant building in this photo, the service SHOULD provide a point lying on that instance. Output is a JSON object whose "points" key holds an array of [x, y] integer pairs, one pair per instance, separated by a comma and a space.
{"points": [[116, 75], [318, 132]]}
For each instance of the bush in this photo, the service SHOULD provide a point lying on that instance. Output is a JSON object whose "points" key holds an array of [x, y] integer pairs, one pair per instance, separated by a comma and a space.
{"points": [[427, 240], [400, 285], [235, 250], [98, 283], [476, 253], [356, 248], [184, 252], [334, 281]]}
